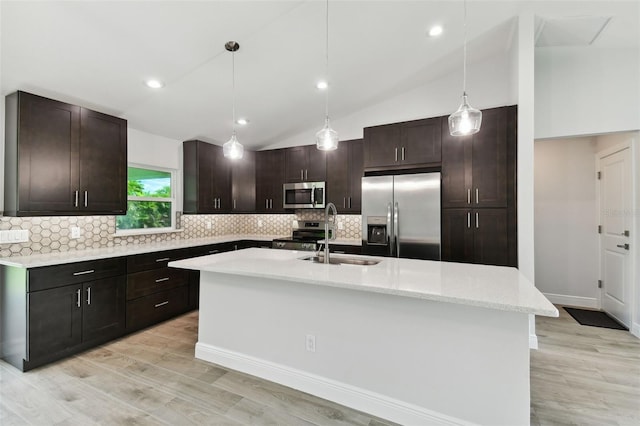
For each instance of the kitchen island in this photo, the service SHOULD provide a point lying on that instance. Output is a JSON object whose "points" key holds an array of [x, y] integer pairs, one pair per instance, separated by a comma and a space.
{"points": [[416, 342]]}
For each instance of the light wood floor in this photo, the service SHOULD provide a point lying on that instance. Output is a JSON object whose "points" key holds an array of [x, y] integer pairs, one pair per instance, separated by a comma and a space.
{"points": [[579, 376]]}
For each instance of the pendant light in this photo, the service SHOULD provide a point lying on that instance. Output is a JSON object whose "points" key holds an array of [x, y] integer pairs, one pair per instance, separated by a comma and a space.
{"points": [[466, 120], [327, 138], [232, 148]]}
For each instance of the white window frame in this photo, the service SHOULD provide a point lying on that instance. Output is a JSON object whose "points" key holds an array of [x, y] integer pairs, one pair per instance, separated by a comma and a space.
{"points": [[173, 200]]}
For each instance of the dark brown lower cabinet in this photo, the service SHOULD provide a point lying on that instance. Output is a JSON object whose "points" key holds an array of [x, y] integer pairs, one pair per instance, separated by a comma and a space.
{"points": [[476, 236]]}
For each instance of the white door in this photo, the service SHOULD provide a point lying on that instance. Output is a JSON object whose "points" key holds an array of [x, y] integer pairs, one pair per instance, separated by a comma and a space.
{"points": [[615, 218]]}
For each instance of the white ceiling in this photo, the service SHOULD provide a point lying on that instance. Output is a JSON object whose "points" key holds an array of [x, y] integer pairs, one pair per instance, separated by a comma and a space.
{"points": [[98, 54]]}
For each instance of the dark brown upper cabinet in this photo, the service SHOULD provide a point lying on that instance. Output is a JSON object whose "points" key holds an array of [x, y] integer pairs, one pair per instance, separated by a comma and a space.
{"points": [[269, 180], [345, 168], [477, 170], [62, 159], [207, 179], [411, 144], [305, 164], [243, 183]]}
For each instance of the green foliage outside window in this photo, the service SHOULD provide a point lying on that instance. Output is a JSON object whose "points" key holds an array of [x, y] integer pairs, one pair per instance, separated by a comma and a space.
{"points": [[150, 202]]}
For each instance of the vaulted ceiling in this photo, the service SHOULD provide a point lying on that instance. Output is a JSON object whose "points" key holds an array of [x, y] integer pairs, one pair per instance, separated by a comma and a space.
{"points": [[99, 53]]}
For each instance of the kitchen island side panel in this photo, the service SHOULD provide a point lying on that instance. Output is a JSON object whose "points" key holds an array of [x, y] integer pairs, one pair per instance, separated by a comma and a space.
{"points": [[460, 362]]}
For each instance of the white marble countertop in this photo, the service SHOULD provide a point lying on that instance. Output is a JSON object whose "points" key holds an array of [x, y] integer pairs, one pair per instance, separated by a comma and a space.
{"points": [[49, 259], [493, 287]]}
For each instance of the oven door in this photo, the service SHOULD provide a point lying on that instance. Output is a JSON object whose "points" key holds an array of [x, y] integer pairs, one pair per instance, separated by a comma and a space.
{"points": [[304, 195]]}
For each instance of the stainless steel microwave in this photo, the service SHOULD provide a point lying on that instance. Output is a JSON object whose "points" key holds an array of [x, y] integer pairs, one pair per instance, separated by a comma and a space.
{"points": [[304, 195]]}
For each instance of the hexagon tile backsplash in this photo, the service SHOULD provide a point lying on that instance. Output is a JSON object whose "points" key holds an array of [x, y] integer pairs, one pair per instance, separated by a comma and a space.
{"points": [[53, 234]]}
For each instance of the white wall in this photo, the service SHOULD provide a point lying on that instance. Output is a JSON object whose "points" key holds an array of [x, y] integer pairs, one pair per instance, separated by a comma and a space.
{"points": [[586, 90], [488, 85], [566, 242]]}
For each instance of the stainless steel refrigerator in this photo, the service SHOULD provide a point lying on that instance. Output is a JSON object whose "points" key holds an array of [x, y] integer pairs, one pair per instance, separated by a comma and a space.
{"points": [[401, 215]]}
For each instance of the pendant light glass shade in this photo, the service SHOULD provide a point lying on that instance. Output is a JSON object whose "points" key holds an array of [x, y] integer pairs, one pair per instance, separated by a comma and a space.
{"points": [[466, 120], [327, 138], [233, 149]]}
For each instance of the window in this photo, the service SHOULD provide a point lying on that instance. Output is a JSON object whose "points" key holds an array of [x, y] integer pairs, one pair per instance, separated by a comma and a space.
{"points": [[150, 200]]}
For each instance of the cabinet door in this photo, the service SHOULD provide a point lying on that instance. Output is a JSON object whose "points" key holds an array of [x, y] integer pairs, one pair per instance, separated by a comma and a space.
{"points": [[490, 244], [103, 315], [243, 183], [420, 141], [338, 176], [221, 181], [381, 145], [356, 169], [456, 170], [269, 180], [316, 164], [295, 164], [457, 235], [55, 321], [198, 166], [47, 154], [490, 160], [103, 163]]}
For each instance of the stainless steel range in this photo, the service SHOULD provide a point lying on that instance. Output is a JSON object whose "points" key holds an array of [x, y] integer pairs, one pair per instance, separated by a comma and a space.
{"points": [[305, 237]]}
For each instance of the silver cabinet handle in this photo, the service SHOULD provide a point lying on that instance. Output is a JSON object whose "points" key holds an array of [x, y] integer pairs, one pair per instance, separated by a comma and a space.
{"points": [[624, 246], [349, 202], [164, 259], [306, 174], [266, 203], [468, 195], [159, 280], [468, 220], [214, 251], [90, 271], [166, 302], [78, 298], [234, 203], [75, 203], [396, 150], [271, 203], [477, 196], [403, 153], [477, 220], [88, 295], [344, 202], [301, 174], [86, 198]]}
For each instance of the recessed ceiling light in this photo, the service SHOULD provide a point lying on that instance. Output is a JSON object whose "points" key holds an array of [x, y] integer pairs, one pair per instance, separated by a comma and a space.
{"points": [[242, 121], [435, 31], [154, 84], [322, 85]]}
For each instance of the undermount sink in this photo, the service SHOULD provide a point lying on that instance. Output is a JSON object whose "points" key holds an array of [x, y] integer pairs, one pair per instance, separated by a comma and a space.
{"points": [[341, 260]]}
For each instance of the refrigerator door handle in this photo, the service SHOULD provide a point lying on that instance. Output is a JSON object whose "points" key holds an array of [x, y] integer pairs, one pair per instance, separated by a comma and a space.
{"points": [[389, 230], [396, 229]]}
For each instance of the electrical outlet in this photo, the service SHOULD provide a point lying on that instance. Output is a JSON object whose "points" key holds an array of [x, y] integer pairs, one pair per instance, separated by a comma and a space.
{"points": [[75, 232], [259, 223], [14, 236], [294, 224], [340, 225], [311, 343], [208, 224]]}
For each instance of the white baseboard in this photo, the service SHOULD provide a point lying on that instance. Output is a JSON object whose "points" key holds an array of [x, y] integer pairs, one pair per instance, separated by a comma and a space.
{"points": [[341, 393], [635, 329], [577, 301]]}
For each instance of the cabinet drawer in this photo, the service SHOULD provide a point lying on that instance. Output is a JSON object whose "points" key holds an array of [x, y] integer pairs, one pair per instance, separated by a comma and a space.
{"points": [[211, 249], [148, 282], [71, 273], [157, 307], [158, 259]]}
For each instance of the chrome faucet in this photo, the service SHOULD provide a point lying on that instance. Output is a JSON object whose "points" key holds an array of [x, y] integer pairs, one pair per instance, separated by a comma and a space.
{"points": [[329, 227]]}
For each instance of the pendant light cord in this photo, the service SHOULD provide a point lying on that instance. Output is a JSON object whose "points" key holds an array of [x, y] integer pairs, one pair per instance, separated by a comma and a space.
{"points": [[327, 62], [464, 61], [233, 90]]}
